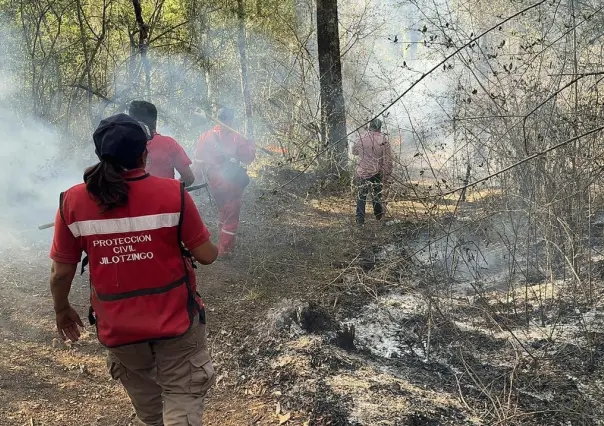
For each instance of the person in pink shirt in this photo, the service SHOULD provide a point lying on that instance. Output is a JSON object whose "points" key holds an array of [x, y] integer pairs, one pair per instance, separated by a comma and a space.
{"points": [[374, 169], [164, 153]]}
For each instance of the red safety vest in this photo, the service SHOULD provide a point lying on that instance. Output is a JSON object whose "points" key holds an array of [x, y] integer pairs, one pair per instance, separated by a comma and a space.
{"points": [[142, 283]]}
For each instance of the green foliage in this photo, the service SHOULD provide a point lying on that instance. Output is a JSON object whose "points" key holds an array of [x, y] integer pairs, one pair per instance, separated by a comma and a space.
{"points": [[81, 59]]}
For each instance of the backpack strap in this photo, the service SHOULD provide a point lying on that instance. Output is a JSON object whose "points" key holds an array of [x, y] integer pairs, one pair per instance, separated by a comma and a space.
{"points": [[219, 147], [62, 213], [182, 213], [187, 257], [61, 198], [185, 253]]}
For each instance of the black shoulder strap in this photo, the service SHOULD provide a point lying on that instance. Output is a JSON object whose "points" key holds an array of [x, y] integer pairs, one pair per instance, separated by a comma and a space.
{"points": [[182, 212], [185, 253], [62, 213], [219, 147], [61, 196], [186, 256]]}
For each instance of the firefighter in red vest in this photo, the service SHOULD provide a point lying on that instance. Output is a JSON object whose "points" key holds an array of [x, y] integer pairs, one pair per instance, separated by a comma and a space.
{"points": [[135, 230], [221, 155], [164, 154]]}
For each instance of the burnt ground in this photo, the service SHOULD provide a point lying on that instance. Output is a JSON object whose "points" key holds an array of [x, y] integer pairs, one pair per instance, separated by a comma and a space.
{"points": [[287, 250], [318, 322]]}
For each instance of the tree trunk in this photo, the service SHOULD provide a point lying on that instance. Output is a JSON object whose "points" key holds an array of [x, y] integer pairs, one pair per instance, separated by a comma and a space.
{"points": [[206, 48], [245, 88], [333, 111], [306, 11], [199, 28], [466, 181], [143, 43], [87, 62], [259, 8]]}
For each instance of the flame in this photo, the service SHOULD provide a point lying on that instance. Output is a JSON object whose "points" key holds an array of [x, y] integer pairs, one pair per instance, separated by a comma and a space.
{"points": [[277, 149]]}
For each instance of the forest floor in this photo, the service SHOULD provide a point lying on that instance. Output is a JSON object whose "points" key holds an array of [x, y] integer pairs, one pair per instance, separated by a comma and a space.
{"points": [[316, 321]]}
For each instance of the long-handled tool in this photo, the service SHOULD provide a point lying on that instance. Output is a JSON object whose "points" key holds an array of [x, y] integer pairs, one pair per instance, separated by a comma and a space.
{"points": [[188, 189], [203, 114]]}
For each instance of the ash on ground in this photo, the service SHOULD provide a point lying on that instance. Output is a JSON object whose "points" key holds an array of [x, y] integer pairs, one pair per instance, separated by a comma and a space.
{"points": [[396, 352]]}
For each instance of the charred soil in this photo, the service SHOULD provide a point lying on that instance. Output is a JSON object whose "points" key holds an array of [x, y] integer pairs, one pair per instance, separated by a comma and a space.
{"points": [[316, 321]]}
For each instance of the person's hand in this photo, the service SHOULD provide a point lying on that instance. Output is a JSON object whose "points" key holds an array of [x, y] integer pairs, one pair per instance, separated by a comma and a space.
{"points": [[68, 323]]}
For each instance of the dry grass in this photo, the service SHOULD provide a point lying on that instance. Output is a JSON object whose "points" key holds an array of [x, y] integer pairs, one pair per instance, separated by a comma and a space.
{"points": [[299, 248]]}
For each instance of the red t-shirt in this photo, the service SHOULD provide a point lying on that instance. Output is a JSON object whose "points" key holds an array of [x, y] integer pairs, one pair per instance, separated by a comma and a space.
{"points": [[165, 155], [68, 249]]}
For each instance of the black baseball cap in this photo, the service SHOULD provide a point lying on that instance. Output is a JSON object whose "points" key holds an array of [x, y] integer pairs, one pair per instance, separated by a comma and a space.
{"points": [[121, 139], [226, 115]]}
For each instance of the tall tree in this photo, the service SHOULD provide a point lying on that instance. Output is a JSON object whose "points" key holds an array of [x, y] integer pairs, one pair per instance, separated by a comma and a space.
{"points": [[245, 87], [143, 43], [333, 110]]}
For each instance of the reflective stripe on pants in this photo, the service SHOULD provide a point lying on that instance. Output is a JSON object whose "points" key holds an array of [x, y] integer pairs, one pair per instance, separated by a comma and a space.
{"points": [[229, 209]]}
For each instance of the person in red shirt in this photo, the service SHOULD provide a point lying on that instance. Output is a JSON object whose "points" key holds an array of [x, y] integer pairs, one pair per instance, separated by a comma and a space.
{"points": [[164, 153], [139, 233], [220, 155]]}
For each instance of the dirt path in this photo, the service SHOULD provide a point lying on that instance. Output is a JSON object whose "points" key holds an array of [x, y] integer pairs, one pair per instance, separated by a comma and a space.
{"points": [[287, 250], [420, 354]]}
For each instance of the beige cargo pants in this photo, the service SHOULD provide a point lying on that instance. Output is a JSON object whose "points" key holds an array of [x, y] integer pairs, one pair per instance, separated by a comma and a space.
{"points": [[166, 380]]}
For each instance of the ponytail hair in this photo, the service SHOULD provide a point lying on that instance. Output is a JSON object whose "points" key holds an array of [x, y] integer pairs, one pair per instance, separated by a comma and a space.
{"points": [[105, 183]]}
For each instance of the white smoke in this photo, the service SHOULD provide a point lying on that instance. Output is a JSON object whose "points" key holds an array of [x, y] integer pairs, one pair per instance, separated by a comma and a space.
{"points": [[36, 161], [34, 171]]}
